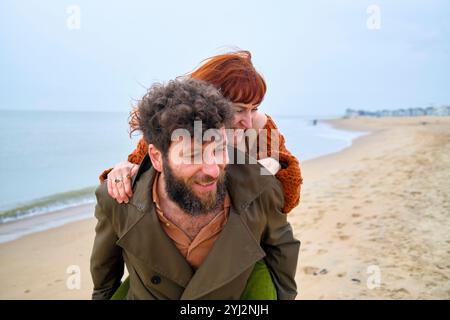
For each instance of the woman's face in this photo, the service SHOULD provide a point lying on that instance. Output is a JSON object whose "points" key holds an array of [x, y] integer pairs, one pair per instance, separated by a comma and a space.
{"points": [[243, 115]]}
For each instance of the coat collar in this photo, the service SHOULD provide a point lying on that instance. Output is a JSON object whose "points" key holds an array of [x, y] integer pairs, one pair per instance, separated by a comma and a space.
{"points": [[234, 252]]}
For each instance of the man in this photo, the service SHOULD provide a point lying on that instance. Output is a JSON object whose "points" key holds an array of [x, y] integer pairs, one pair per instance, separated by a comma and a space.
{"points": [[196, 224]]}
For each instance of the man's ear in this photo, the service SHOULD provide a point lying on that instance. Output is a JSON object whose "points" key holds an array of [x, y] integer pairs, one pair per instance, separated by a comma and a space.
{"points": [[155, 157]]}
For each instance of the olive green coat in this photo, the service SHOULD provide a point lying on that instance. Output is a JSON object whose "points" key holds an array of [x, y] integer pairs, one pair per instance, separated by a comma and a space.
{"points": [[131, 234]]}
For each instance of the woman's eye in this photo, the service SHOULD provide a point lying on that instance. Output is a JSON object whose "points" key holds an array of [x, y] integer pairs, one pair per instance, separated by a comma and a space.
{"points": [[254, 110]]}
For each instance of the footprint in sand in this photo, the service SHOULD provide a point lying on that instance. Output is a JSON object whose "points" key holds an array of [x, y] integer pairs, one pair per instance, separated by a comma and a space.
{"points": [[344, 237], [340, 225], [399, 293], [341, 274], [310, 270], [356, 215], [373, 226], [317, 220], [322, 251]]}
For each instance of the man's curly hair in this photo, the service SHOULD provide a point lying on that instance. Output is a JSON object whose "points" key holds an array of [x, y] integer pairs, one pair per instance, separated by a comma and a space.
{"points": [[176, 105]]}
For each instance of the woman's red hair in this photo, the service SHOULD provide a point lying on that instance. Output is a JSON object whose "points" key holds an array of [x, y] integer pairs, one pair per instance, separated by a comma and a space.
{"points": [[234, 75]]}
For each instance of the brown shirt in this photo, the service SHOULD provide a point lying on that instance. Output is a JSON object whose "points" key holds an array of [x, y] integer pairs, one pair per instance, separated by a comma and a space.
{"points": [[194, 250]]}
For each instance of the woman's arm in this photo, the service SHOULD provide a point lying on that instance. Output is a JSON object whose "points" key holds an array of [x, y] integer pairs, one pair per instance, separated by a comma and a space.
{"points": [[124, 171], [289, 174]]}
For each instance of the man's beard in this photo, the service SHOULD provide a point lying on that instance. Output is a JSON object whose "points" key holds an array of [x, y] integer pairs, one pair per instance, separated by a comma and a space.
{"points": [[184, 196]]}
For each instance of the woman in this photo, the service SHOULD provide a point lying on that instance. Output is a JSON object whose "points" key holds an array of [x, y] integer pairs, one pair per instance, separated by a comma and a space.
{"points": [[235, 76]]}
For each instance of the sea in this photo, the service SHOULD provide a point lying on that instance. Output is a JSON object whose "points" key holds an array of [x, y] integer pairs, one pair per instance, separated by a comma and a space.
{"points": [[51, 160]]}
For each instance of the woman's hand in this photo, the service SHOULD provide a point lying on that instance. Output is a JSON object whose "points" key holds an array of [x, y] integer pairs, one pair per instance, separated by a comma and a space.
{"points": [[271, 165], [119, 181]]}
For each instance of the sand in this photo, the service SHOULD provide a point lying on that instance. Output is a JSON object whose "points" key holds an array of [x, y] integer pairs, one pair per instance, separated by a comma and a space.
{"points": [[380, 207], [373, 221]]}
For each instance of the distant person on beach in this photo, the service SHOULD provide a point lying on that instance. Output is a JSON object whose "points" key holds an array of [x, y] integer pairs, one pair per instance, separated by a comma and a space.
{"points": [[192, 230], [236, 78]]}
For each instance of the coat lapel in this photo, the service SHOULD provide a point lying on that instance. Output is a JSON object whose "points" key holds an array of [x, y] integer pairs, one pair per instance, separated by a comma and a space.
{"points": [[147, 241], [234, 252]]}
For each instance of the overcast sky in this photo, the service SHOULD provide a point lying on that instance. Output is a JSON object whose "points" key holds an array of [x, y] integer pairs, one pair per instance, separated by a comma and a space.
{"points": [[318, 57]]}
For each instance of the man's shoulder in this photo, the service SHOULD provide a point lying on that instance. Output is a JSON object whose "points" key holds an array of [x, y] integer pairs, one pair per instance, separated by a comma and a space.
{"points": [[253, 174], [101, 192], [107, 203], [248, 182], [272, 197], [247, 168]]}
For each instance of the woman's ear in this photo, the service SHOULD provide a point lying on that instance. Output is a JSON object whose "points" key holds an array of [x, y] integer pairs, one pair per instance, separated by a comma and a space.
{"points": [[155, 157]]}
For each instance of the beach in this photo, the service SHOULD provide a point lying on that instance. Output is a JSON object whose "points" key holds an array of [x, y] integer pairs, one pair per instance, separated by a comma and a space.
{"points": [[373, 222], [381, 207]]}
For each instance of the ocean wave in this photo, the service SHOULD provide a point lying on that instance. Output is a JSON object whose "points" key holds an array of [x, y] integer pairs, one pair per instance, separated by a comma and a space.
{"points": [[49, 204]]}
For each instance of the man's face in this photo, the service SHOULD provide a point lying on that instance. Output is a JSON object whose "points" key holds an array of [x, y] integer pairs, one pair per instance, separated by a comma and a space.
{"points": [[196, 187]]}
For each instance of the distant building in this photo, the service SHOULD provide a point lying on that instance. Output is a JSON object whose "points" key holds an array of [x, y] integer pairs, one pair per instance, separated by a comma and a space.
{"points": [[411, 112], [350, 113]]}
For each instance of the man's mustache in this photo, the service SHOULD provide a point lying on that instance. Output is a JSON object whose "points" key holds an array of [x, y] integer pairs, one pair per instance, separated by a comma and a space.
{"points": [[207, 179]]}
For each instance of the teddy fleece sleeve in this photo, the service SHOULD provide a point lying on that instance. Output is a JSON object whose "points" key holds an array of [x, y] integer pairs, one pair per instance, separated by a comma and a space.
{"points": [[139, 153], [134, 157], [290, 173]]}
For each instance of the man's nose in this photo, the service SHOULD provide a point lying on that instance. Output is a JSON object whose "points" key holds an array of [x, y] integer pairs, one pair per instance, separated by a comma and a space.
{"points": [[211, 169]]}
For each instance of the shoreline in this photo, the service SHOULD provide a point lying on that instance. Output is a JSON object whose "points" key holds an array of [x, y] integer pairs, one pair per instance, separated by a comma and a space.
{"points": [[359, 208], [14, 230]]}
